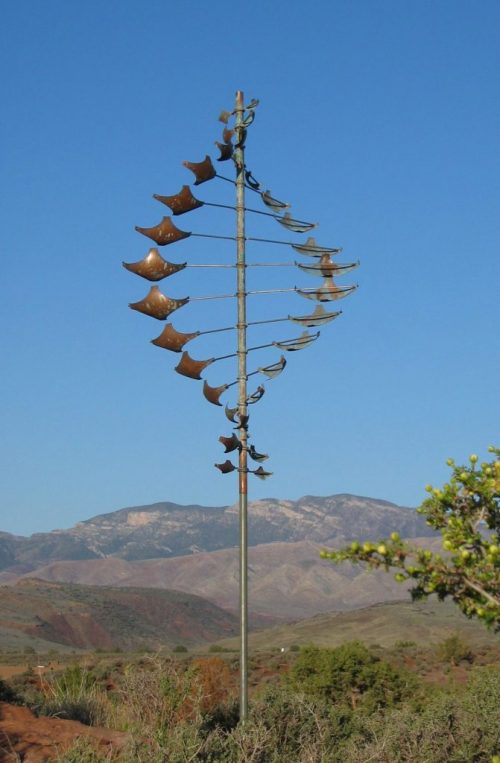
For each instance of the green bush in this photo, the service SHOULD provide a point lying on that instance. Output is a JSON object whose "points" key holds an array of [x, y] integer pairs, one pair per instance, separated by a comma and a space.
{"points": [[350, 673]]}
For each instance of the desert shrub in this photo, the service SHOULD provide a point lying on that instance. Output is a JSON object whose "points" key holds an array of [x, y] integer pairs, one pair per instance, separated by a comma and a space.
{"points": [[7, 693], [350, 673], [73, 695], [83, 751], [454, 649], [218, 648], [458, 728], [179, 648]]}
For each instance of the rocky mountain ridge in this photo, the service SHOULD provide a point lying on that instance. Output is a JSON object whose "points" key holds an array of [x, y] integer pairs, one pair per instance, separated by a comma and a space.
{"points": [[165, 530]]}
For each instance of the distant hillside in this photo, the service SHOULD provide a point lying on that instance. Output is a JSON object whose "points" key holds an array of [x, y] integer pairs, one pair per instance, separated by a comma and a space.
{"points": [[36, 613], [424, 623], [286, 580], [166, 530]]}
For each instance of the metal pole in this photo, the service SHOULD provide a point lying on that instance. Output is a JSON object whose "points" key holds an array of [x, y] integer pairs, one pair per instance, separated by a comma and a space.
{"points": [[242, 405]]}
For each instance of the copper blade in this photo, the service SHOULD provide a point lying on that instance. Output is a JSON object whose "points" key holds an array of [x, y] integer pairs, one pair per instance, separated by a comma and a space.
{"points": [[312, 249], [173, 340], [243, 421], [191, 368], [153, 267], [317, 318], [164, 233], [203, 171], [213, 394], [227, 135], [226, 151], [230, 443], [182, 202], [297, 226], [157, 305], [226, 467], [261, 473]]}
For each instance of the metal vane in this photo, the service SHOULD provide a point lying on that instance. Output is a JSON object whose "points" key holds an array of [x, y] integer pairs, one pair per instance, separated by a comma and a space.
{"points": [[153, 267], [326, 267], [157, 305], [328, 292], [312, 249], [298, 226], [164, 233], [182, 202], [203, 171]]}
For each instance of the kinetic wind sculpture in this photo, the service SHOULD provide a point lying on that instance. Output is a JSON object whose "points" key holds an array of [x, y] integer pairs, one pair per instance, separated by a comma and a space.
{"points": [[153, 267]]}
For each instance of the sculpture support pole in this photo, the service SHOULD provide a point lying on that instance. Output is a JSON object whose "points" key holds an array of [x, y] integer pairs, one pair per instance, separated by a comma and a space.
{"points": [[242, 405]]}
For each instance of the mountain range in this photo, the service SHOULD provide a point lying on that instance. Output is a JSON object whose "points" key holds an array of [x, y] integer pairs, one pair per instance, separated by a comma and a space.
{"points": [[165, 530]]}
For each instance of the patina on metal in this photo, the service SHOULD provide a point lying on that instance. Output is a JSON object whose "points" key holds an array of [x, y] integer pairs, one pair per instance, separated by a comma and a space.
{"points": [[203, 171], [191, 368], [164, 233], [157, 305], [181, 202], [153, 267], [173, 340]]}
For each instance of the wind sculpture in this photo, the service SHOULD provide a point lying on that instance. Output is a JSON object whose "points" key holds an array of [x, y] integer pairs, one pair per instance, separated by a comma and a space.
{"points": [[153, 267]]}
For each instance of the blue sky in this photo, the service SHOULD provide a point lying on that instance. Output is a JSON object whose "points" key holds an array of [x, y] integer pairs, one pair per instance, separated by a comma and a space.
{"points": [[378, 119]]}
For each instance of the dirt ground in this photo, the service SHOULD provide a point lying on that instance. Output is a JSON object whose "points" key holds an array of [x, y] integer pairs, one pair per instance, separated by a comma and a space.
{"points": [[35, 740]]}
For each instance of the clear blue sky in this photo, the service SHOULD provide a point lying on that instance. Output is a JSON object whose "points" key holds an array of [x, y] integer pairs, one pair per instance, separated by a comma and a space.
{"points": [[378, 118]]}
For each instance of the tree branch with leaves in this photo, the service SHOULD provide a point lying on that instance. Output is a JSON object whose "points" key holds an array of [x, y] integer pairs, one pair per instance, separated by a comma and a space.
{"points": [[466, 511]]}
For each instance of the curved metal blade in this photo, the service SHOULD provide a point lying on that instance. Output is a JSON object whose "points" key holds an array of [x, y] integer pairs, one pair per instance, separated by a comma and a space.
{"points": [[261, 473], [227, 135], [326, 267], [253, 104], [318, 318], [231, 413], [256, 396], [257, 456], [226, 151], [191, 368], [157, 305], [164, 233], [328, 292], [224, 117], [230, 443], [226, 467], [212, 394], [252, 182], [275, 369], [173, 340], [153, 267], [248, 119], [182, 202], [297, 226], [312, 249], [292, 345], [203, 171], [275, 204]]}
